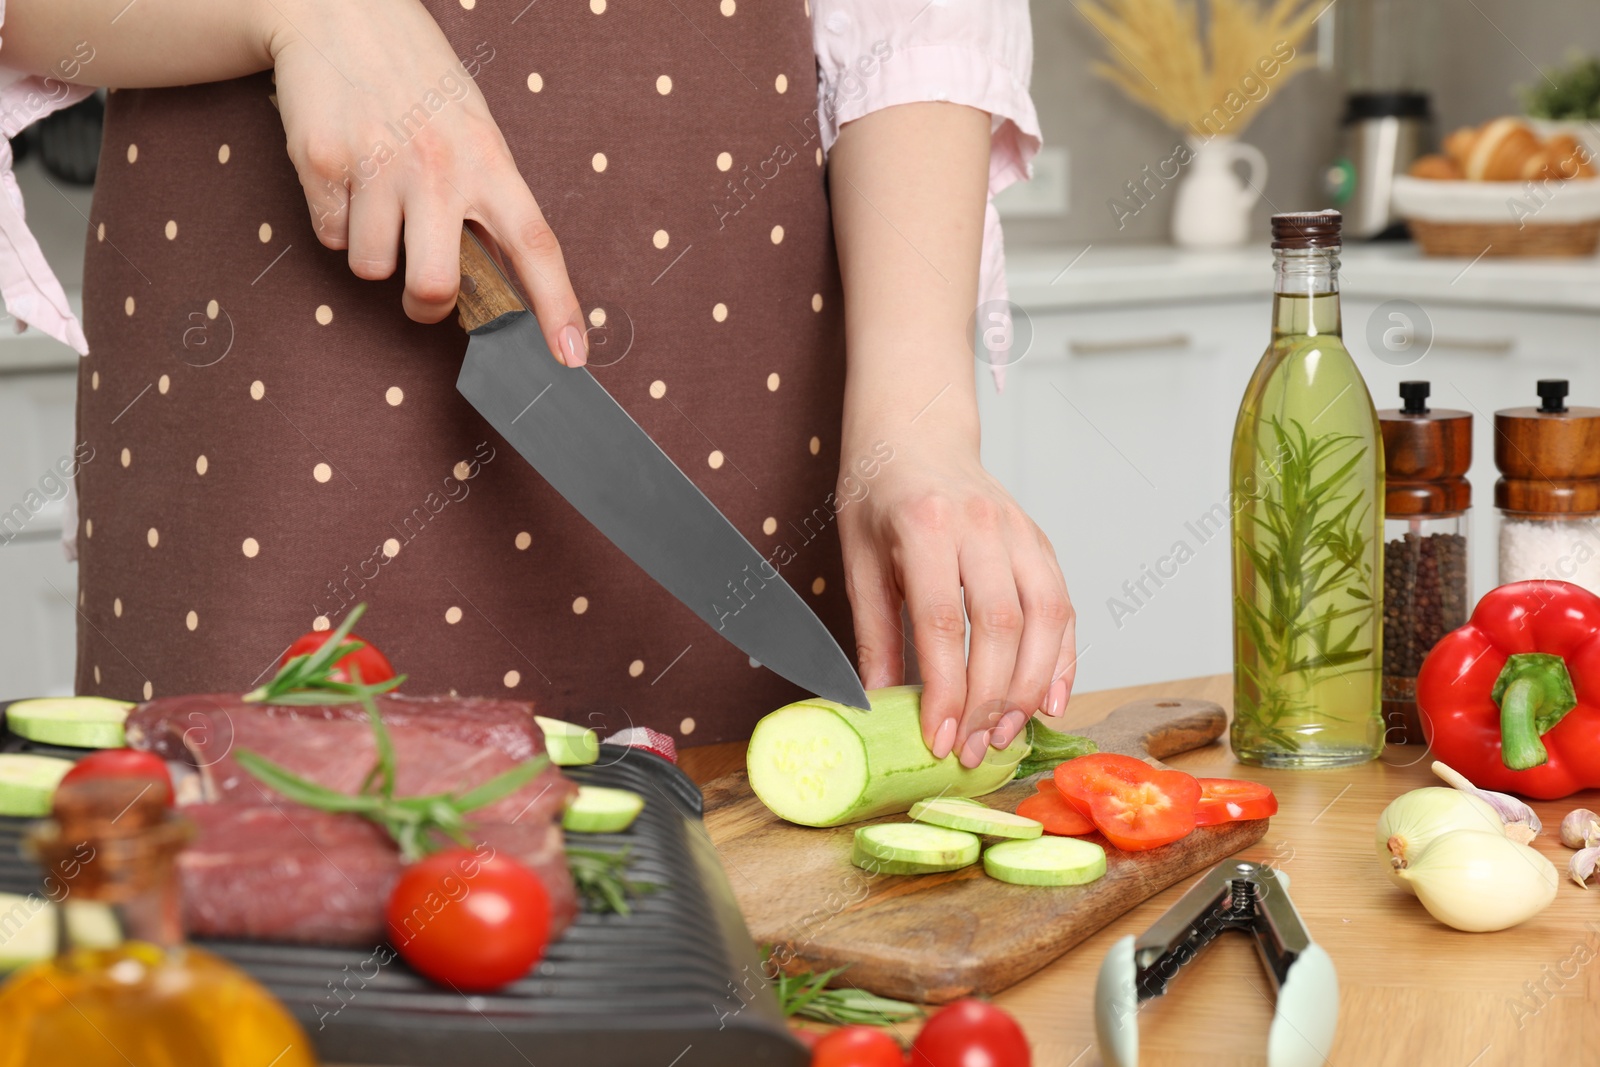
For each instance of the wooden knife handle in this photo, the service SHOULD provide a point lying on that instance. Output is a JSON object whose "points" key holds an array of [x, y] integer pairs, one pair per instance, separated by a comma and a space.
{"points": [[486, 293]]}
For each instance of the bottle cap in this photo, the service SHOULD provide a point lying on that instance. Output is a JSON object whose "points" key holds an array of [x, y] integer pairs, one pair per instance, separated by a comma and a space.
{"points": [[1548, 456], [1426, 455], [1307, 229], [109, 839]]}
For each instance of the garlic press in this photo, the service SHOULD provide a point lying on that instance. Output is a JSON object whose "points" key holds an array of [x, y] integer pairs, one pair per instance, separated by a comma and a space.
{"points": [[1235, 895]]}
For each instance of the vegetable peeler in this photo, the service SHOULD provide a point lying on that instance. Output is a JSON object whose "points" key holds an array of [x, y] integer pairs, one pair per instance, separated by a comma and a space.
{"points": [[1235, 895]]}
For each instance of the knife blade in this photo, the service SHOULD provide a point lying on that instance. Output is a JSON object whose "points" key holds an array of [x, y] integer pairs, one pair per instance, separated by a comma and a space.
{"points": [[580, 440]]}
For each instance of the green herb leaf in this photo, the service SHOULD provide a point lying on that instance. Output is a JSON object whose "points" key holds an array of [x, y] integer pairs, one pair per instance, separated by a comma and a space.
{"points": [[1048, 747], [602, 881], [806, 994]]}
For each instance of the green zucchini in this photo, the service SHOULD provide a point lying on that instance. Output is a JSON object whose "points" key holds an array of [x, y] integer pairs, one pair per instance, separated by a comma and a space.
{"points": [[599, 810], [568, 745], [1045, 861], [28, 782], [818, 763], [959, 813], [81, 722]]}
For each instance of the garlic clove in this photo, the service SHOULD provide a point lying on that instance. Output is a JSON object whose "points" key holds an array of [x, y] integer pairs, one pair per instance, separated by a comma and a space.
{"points": [[1580, 828], [1522, 822], [1581, 866]]}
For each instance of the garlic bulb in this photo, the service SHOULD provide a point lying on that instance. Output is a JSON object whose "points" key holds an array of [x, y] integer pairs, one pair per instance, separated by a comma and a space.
{"points": [[1412, 820], [1478, 881]]}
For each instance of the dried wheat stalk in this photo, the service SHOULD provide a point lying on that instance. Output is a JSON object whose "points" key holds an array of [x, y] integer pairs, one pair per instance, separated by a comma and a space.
{"points": [[1159, 59]]}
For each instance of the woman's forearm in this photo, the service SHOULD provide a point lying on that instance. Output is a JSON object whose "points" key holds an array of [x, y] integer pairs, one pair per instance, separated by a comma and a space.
{"points": [[143, 42], [908, 186]]}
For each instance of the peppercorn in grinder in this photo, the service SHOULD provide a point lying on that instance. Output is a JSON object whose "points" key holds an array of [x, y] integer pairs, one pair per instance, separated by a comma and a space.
{"points": [[1426, 565], [1548, 494]]}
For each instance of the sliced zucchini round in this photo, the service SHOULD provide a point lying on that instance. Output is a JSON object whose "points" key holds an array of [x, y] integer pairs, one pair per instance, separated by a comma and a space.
{"points": [[956, 813], [80, 722], [933, 848], [1045, 861], [568, 744], [600, 810], [27, 783]]}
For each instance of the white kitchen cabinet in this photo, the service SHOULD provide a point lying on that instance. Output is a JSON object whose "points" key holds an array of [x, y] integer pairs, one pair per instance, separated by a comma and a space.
{"points": [[38, 587], [1113, 431], [38, 627]]}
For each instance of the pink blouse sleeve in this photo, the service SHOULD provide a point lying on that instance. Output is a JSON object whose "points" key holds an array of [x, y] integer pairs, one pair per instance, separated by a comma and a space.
{"points": [[31, 292], [873, 54]]}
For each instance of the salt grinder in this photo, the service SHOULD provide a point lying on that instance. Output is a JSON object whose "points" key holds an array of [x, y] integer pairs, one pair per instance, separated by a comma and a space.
{"points": [[1548, 494], [1426, 563]]}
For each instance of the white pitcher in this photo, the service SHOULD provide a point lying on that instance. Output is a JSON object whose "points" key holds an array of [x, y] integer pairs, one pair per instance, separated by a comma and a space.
{"points": [[1213, 205]]}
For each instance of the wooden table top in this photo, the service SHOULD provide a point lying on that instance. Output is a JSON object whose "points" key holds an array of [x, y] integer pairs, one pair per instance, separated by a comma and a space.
{"points": [[1413, 993]]}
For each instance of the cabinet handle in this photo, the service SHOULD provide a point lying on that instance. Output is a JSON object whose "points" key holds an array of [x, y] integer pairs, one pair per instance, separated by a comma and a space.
{"points": [[1495, 346], [1132, 344]]}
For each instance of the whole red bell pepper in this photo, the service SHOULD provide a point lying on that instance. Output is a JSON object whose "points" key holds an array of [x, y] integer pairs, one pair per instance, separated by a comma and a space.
{"points": [[1512, 699]]}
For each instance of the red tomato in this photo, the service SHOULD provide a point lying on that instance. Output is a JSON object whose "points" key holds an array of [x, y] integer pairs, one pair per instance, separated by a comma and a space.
{"points": [[1232, 800], [374, 665], [469, 921], [1049, 807], [1133, 804], [122, 763], [857, 1046], [970, 1033]]}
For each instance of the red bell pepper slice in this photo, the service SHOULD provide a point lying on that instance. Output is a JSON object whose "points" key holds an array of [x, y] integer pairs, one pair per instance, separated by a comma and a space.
{"points": [[1233, 800], [1133, 804], [1050, 808], [1512, 699]]}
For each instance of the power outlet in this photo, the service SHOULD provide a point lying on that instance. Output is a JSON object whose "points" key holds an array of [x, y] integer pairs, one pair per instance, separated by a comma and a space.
{"points": [[1045, 195]]}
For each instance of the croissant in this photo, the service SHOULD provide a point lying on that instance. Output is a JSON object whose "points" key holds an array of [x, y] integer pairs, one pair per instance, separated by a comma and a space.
{"points": [[1437, 167], [1507, 150]]}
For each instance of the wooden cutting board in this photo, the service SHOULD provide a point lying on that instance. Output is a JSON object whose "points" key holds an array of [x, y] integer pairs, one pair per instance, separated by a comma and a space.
{"points": [[935, 937]]}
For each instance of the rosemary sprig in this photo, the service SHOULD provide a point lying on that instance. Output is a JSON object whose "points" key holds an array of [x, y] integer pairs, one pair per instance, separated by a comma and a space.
{"points": [[602, 879], [806, 994], [307, 679], [1305, 546]]}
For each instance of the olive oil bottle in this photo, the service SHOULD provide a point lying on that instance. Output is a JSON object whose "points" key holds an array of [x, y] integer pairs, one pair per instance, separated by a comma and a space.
{"points": [[1307, 486], [123, 988]]}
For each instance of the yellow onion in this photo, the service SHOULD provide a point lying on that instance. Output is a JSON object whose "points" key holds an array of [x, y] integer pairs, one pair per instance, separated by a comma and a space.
{"points": [[1478, 881], [1412, 820]]}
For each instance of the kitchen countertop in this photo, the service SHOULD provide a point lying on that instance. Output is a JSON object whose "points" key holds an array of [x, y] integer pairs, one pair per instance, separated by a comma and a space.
{"points": [[1101, 275], [1411, 990]]}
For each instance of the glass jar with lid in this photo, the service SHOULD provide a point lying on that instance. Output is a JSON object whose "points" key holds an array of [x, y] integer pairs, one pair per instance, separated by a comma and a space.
{"points": [[1427, 564], [1548, 495]]}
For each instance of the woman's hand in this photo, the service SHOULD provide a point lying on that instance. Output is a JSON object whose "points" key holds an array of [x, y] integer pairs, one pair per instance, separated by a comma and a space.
{"points": [[355, 81], [935, 531]]}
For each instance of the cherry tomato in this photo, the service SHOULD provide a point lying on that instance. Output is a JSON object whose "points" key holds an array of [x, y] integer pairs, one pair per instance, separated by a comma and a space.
{"points": [[970, 1033], [1136, 806], [1049, 807], [122, 763], [857, 1046], [1232, 800], [374, 665], [471, 921]]}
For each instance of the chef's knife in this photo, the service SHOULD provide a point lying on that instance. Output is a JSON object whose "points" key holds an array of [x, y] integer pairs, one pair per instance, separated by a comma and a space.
{"points": [[579, 439]]}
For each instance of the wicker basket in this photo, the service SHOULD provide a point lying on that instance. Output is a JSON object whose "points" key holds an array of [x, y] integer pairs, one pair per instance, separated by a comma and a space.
{"points": [[1472, 239]]}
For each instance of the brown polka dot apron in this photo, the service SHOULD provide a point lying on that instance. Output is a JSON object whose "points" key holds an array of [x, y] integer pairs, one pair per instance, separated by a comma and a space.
{"points": [[274, 441]]}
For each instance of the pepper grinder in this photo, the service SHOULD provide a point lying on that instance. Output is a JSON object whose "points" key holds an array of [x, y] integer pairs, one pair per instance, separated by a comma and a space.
{"points": [[1548, 494], [1427, 504]]}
